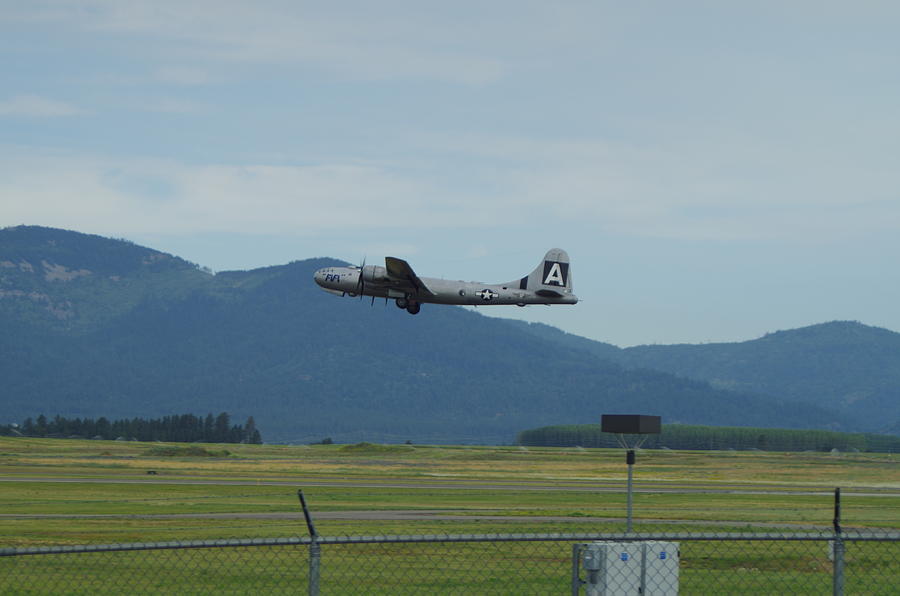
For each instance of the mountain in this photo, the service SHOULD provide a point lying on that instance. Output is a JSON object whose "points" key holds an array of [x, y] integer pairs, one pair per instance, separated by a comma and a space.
{"points": [[91, 326], [844, 366]]}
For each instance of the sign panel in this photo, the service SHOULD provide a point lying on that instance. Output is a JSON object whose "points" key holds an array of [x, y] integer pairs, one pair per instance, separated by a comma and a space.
{"points": [[637, 424]]}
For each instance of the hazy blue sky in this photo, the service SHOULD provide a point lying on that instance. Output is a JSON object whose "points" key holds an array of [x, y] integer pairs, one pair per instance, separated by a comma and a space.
{"points": [[716, 170]]}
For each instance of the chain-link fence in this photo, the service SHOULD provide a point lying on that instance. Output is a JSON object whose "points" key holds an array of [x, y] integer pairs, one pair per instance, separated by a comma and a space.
{"points": [[675, 563]]}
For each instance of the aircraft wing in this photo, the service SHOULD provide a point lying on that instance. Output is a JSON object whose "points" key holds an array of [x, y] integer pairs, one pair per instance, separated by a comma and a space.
{"points": [[400, 270]]}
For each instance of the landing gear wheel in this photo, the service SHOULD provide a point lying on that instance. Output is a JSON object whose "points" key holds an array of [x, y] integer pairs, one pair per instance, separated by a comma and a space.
{"points": [[413, 308], [402, 303]]}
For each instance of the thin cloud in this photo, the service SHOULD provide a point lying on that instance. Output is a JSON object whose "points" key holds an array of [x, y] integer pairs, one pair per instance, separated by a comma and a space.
{"points": [[185, 76], [360, 42], [168, 105], [145, 196], [35, 106], [600, 190], [736, 186]]}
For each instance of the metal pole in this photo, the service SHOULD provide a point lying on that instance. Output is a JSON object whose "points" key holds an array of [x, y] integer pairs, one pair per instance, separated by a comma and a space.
{"points": [[644, 555], [315, 555], [837, 583], [837, 511], [576, 562], [306, 515], [315, 551], [838, 580], [629, 459]]}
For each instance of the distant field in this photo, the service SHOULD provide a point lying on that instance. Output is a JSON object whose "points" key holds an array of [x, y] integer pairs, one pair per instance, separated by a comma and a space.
{"points": [[74, 491]]}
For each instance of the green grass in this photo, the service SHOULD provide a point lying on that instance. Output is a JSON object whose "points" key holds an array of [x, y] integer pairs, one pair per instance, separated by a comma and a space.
{"points": [[722, 567], [100, 492], [78, 457], [465, 481], [189, 451]]}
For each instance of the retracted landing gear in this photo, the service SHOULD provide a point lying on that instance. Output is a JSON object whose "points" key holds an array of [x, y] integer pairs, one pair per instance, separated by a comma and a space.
{"points": [[411, 306]]}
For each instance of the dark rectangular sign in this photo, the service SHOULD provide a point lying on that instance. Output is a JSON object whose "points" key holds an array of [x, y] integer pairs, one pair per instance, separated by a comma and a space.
{"points": [[632, 424]]}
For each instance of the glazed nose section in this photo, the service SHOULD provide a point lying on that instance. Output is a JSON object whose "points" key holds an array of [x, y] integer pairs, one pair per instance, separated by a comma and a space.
{"points": [[319, 277]]}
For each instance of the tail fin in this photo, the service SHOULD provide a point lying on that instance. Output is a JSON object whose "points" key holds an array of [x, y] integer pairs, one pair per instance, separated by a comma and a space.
{"points": [[553, 277]]}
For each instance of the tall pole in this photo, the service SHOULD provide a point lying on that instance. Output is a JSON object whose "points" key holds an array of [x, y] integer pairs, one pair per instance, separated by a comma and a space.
{"points": [[630, 424], [315, 551], [629, 459], [837, 581]]}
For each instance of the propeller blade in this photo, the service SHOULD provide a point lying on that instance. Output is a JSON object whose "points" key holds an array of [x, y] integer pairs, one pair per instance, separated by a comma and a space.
{"points": [[361, 283]]}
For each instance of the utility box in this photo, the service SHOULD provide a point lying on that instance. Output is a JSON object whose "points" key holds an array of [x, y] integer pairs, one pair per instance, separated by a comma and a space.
{"points": [[646, 568], [660, 568], [612, 568]]}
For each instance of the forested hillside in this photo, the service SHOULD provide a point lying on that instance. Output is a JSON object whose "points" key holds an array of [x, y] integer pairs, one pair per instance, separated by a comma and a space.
{"points": [[684, 436], [842, 365], [93, 326]]}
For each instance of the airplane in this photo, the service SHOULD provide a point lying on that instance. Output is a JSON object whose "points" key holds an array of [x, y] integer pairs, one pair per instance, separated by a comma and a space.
{"points": [[549, 283]]}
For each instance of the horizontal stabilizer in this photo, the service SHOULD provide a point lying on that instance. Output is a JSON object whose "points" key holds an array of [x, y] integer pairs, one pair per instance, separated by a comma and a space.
{"points": [[549, 293]]}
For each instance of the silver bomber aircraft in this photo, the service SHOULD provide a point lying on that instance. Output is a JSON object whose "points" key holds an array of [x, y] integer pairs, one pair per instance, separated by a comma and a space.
{"points": [[549, 283]]}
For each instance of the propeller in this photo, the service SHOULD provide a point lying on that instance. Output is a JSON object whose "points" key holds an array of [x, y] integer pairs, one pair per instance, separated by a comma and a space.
{"points": [[361, 282]]}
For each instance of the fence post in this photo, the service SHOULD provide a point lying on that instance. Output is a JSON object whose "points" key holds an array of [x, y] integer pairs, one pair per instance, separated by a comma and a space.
{"points": [[837, 580], [576, 564], [629, 460], [315, 551]]}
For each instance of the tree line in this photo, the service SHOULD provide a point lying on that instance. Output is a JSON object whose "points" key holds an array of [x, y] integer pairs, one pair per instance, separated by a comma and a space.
{"points": [[695, 437], [183, 428]]}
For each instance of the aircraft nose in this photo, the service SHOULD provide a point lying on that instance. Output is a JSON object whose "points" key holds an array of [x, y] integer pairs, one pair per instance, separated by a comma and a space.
{"points": [[319, 276]]}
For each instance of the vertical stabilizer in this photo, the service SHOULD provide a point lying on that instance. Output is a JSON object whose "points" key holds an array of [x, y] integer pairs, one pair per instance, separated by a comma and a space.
{"points": [[552, 277]]}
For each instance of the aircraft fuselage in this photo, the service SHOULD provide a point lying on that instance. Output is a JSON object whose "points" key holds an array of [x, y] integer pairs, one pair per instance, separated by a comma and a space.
{"points": [[549, 283], [345, 280]]}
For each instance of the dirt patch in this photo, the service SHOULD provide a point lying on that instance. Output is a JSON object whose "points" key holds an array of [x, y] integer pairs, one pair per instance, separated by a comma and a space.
{"points": [[54, 272]]}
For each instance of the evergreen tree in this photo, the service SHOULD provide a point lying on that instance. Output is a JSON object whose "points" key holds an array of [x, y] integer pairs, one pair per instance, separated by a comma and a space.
{"points": [[41, 427], [209, 428], [187, 428], [223, 425], [251, 435], [104, 428]]}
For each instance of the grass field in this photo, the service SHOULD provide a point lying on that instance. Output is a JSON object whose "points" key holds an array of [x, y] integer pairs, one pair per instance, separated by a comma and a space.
{"points": [[68, 492], [53, 490]]}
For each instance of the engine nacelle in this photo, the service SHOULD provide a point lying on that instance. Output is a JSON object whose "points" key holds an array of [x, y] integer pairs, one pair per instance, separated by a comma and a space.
{"points": [[374, 274]]}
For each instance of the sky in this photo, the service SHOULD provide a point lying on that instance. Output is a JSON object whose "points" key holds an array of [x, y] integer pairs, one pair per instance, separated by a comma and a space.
{"points": [[716, 170]]}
